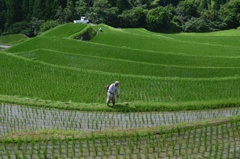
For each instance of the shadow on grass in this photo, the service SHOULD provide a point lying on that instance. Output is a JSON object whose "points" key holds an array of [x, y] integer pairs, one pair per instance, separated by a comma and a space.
{"points": [[121, 107]]}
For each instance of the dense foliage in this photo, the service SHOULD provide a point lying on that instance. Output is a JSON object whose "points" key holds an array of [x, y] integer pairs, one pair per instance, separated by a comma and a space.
{"points": [[28, 16]]}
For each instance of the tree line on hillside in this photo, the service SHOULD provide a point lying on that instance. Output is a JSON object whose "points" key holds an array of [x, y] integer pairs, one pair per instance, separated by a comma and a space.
{"points": [[31, 17]]}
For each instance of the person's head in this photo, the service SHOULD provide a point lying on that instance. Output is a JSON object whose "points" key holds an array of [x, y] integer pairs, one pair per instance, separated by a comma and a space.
{"points": [[116, 83]]}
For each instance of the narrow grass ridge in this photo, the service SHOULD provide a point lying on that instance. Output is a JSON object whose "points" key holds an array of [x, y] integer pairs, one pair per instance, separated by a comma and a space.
{"points": [[121, 107], [49, 134]]}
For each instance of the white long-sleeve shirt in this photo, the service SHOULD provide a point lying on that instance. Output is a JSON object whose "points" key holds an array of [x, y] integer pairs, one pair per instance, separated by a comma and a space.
{"points": [[113, 89]]}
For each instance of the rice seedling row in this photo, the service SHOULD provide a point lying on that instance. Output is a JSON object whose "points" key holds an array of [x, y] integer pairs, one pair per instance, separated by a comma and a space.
{"points": [[209, 141], [15, 118]]}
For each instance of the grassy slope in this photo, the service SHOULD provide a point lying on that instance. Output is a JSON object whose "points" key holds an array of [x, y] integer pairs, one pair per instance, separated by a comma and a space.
{"points": [[91, 49], [222, 38], [127, 66], [65, 84], [163, 43], [35, 79], [65, 30], [12, 39]]}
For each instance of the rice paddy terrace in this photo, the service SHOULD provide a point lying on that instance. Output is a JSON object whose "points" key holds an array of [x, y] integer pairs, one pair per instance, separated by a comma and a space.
{"points": [[179, 94]]}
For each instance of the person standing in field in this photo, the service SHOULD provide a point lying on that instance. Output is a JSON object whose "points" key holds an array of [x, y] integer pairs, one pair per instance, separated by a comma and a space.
{"points": [[112, 90]]}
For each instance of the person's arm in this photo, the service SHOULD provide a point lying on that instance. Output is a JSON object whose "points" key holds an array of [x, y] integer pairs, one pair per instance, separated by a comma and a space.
{"points": [[117, 91]]}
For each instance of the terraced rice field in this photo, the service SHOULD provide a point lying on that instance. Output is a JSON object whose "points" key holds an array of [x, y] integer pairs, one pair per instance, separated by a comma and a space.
{"points": [[182, 93], [218, 140], [27, 118]]}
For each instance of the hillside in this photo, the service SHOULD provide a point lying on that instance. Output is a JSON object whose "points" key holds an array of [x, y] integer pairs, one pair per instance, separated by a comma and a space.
{"points": [[179, 95], [152, 67]]}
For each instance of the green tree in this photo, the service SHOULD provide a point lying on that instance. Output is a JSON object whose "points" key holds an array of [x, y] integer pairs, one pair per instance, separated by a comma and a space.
{"points": [[160, 19], [50, 10], [14, 12], [69, 11], [156, 3], [3, 12], [135, 17], [63, 3], [38, 9], [48, 25], [30, 9], [81, 8], [230, 14], [186, 11], [123, 5], [25, 8], [60, 16], [103, 12], [142, 3]]}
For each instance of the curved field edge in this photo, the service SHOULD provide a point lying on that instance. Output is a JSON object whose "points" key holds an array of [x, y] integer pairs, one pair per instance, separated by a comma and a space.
{"points": [[121, 107], [28, 79], [133, 67], [65, 30], [124, 53], [211, 38], [125, 39], [47, 134]]}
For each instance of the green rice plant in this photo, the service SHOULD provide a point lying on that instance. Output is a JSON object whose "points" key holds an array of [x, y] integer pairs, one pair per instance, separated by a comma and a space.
{"points": [[180, 147], [53, 142], [25, 148], [228, 150], [216, 148], [131, 148], [88, 147], [118, 149], [67, 145], [235, 150], [173, 148], [81, 147], [188, 139], [146, 152], [110, 150], [96, 149], [159, 151], [39, 149], [138, 155], [16, 154], [73, 147], [45, 150], [60, 146], [101, 145], [8, 155]]}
